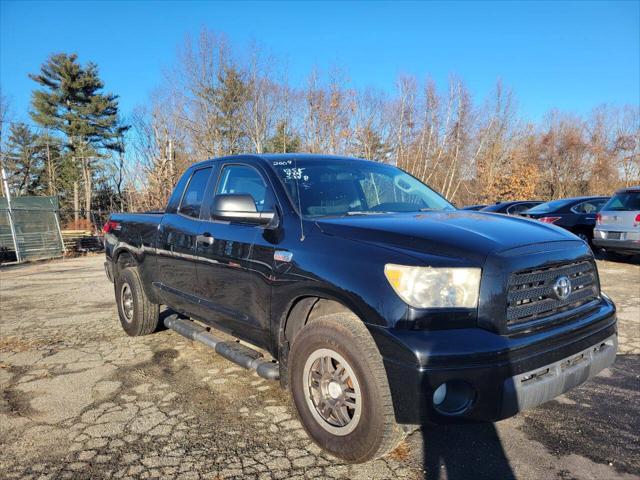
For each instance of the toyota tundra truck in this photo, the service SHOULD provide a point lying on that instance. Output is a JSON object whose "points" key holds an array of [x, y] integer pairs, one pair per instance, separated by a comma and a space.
{"points": [[375, 301]]}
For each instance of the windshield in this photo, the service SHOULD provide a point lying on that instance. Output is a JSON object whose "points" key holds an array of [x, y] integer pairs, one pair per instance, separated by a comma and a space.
{"points": [[623, 202], [547, 207], [342, 187]]}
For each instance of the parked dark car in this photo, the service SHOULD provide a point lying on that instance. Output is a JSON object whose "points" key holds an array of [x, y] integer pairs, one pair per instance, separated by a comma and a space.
{"points": [[511, 208], [577, 214], [473, 207], [367, 294]]}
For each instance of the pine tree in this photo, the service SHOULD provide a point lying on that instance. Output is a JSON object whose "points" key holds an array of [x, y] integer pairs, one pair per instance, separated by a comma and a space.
{"points": [[24, 160], [230, 97], [58, 171], [72, 103], [282, 141], [369, 145]]}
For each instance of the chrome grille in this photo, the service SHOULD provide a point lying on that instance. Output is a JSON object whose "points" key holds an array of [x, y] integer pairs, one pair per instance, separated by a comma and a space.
{"points": [[532, 297]]}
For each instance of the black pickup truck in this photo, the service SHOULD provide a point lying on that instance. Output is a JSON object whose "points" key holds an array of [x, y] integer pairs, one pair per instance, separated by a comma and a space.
{"points": [[371, 297]]}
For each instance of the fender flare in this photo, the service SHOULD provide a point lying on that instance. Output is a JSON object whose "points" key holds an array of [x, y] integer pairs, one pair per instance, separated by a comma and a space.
{"points": [[299, 310], [138, 255]]}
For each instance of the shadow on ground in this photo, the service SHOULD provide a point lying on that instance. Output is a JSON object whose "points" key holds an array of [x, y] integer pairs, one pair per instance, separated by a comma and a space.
{"points": [[458, 452], [617, 258], [582, 421], [575, 423]]}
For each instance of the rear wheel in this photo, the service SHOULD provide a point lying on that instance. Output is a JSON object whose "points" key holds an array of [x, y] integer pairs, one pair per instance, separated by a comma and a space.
{"points": [[340, 389], [138, 316]]}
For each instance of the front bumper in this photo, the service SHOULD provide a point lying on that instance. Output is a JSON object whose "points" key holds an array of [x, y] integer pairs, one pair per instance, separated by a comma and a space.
{"points": [[494, 366], [538, 386]]}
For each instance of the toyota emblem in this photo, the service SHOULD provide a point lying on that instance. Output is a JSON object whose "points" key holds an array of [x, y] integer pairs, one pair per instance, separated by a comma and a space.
{"points": [[562, 287]]}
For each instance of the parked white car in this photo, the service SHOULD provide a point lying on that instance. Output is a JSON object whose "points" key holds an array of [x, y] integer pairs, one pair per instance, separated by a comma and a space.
{"points": [[618, 223]]}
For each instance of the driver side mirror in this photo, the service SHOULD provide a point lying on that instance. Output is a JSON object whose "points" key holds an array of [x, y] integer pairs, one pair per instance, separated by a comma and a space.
{"points": [[239, 208]]}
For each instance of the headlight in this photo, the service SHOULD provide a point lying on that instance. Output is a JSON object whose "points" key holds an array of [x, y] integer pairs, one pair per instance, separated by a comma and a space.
{"points": [[428, 287]]}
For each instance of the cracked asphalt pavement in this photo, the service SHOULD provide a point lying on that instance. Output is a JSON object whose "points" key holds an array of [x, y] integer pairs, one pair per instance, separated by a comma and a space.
{"points": [[80, 399]]}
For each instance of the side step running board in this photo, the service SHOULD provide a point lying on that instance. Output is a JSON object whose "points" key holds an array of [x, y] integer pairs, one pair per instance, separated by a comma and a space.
{"points": [[244, 356]]}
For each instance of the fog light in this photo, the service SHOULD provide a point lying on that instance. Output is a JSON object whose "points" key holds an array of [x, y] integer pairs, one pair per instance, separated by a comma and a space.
{"points": [[440, 394], [454, 397]]}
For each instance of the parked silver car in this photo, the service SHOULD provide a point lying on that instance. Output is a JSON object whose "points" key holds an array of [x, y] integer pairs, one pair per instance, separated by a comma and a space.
{"points": [[618, 223]]}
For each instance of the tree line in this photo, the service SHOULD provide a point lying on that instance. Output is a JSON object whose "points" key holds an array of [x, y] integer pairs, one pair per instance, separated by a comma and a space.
{"points": [[76, 129], [217, 100]]}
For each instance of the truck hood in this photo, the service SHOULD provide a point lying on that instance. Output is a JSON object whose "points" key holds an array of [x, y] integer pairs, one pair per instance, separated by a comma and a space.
{"points": [[458, 234]]}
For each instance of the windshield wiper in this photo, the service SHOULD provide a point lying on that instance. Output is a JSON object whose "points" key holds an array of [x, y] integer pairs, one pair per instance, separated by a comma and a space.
{"points": [[364, 212]]}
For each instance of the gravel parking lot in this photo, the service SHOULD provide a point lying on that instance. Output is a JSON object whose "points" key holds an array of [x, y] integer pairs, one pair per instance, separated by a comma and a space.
{"points": [[82, 400]]}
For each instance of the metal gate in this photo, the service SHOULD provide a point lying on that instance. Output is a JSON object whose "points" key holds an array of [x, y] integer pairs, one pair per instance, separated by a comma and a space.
{"points": [[30, 229]]}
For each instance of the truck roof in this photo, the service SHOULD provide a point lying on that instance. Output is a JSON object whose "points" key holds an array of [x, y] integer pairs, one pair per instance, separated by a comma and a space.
{"points": [[274, 157]]}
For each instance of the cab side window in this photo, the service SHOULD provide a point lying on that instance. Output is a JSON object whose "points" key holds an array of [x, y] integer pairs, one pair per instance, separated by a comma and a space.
{"points": [[194, 193], [591, 206], [517, 208], [247, 180]]}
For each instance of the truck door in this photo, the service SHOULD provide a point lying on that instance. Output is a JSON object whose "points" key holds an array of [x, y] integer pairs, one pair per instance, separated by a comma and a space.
{"points": [[234, 265], [176, 247]]}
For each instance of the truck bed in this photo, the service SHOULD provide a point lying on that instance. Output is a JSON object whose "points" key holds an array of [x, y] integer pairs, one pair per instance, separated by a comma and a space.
{"points": [[137, 230]]}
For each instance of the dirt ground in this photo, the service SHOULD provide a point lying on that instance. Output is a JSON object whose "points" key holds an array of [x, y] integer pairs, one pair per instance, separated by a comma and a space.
{"points": [[80, 399]]}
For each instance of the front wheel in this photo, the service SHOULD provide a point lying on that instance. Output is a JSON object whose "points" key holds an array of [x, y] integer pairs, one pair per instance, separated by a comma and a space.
{"points": [[340, 389], [138, 316]]}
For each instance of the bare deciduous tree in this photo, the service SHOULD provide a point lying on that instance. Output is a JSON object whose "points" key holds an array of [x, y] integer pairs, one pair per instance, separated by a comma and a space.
{"points": [[217, 100]]}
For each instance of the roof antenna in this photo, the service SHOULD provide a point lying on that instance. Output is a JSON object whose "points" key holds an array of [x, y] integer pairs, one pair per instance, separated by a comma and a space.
{"points": [[297, 174]]}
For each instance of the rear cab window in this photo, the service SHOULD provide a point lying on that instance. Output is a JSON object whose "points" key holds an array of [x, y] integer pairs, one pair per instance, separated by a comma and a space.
{"points": [[194, 193], [174, 200]]}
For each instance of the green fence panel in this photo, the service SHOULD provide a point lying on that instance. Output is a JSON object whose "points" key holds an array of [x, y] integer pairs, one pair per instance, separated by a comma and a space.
{"points": [[36, 225], [6, 239]]}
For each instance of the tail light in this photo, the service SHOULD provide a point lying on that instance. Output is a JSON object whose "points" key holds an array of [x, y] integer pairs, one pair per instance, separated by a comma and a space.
{"points": [[636, 220], [598, 218], [111, 226], [549, 219]]}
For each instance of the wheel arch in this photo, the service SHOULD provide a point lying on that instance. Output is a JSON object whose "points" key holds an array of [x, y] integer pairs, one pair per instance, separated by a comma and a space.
{"points": [[124, 258], [302, 310]]}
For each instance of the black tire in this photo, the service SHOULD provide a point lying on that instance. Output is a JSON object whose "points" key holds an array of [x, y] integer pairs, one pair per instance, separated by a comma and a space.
{"points": [[142, 317], [375, 433], [586, 237]]}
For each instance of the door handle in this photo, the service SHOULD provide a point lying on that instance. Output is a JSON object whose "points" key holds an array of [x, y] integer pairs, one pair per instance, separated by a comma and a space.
{"points": [[205, 238]]}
